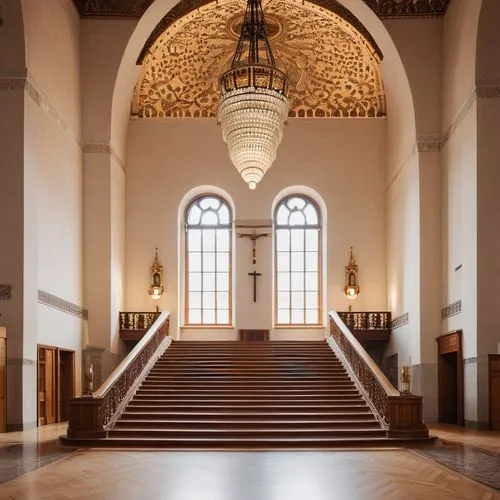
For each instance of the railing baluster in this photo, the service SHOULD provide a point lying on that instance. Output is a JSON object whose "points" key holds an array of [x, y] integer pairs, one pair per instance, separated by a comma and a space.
{"points": [[401, 414], [91, 417]]}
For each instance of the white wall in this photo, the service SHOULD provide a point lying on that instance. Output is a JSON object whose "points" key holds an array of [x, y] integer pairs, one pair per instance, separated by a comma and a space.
{"points": [[460, 189], [12, 73], [342, 160], [53, 177]]}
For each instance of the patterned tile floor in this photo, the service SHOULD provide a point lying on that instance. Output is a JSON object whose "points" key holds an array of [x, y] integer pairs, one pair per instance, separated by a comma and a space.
{"points": [[474, 463], [19, 459]]}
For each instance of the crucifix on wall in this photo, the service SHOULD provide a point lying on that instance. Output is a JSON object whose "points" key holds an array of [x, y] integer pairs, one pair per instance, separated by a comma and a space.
{"points": [[255, 275], [253, 238]]}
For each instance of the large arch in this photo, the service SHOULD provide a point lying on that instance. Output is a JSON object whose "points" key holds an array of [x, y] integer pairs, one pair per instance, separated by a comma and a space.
{"points": [[401, 115], [488, 45], [12, 209], [487, 80]]}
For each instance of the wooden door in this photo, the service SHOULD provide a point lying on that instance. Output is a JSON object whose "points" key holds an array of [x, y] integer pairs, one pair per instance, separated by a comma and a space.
{"points": [[46, 385], [494, 379], [450, 379], [65, 382], [3, 384]]}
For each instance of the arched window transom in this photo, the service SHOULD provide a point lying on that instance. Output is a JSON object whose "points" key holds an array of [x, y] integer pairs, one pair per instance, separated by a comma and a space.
{"points": [[297, 225], [208, 224]]}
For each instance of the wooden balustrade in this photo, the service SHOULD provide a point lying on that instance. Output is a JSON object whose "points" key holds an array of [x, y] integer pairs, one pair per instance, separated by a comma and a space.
{"points": [[400, 414], [91, 417], [133, 325], [366, 320], [368, 326]]}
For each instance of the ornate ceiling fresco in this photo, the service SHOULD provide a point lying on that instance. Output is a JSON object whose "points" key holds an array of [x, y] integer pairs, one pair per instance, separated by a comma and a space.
{"points": [[383, 8], [333, 69]]}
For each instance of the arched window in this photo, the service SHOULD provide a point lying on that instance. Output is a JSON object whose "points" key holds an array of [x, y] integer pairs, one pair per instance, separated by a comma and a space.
{"points": [[297, 225], [208, 223]]}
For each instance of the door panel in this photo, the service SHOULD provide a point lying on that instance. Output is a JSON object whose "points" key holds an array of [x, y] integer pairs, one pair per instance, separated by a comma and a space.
{"points": [[55, 383], [494, 365], [3, 384]]}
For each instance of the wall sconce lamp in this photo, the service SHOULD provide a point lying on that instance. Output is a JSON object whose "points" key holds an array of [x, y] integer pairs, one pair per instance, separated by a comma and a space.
{"points": [[156, 279], [351, 288]]}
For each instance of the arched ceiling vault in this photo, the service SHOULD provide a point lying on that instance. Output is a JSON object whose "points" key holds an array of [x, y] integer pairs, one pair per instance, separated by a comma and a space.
{"points": [[330, 59]]}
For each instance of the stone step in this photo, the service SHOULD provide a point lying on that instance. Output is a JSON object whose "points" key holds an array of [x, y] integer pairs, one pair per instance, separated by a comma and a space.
{"points": [[254, 398], [297, 433]]}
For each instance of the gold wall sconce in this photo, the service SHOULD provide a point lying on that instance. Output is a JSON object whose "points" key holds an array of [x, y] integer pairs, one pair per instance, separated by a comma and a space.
{"points": [[351, 288], [156, 279]]}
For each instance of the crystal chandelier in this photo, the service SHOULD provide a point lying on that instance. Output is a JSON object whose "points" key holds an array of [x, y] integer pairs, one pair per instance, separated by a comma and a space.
{"points": [[254, 100]]}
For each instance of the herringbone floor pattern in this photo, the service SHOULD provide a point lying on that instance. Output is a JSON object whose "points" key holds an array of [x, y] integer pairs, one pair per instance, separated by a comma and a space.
{"points": [[389, 474], [346, 475]]}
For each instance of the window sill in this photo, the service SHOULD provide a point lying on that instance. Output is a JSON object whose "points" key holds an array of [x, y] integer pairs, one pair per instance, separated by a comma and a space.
{"points": [[207, 327], [298, 327]]}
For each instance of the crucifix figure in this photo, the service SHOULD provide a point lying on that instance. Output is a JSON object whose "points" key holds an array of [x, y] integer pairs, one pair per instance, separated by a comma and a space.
{"points": [[255, 275], [253, 237]]}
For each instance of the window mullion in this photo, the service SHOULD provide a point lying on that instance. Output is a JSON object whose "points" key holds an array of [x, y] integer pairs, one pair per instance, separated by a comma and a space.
{"points": [[304, 275], [216, 290], [290, 306], [202, 275]]}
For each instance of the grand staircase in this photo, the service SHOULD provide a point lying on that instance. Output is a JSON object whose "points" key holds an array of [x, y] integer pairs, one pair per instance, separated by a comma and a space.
{"points": [[247, 395]]}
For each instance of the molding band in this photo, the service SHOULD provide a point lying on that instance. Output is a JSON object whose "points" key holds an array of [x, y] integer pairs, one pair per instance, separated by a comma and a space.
{"points": [[20, 362], [399, 321], [41, 101], [470, 361], [63, 305], [429, 144], [10, 84], [103, 148], [451, 310], [435, 143]]}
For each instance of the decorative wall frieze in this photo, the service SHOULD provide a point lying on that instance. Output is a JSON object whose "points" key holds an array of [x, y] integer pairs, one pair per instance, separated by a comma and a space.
{"points": [[470, 361], [40, 100], [399, 321], [408, 8], [488, 91], [99, 148], [63, 305], [451, 310], [11, 84], [383, 8], [429, 144], [482, 91], [435, 143], [401, 168], [47, 107], [459, 117], [5, 292]]}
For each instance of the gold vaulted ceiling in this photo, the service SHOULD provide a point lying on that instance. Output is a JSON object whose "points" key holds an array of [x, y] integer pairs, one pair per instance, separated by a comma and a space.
{"points": [[333, 69]]}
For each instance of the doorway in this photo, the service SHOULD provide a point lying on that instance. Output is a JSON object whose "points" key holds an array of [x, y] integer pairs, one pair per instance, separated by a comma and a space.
{"points": [[450, 379], [3, 381], [56, 381], [494, 383]]}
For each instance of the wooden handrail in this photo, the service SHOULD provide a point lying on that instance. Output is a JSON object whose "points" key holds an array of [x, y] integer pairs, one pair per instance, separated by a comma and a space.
{"points": [[400, 414], [128, 359], [92, 416]]}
